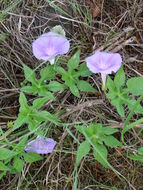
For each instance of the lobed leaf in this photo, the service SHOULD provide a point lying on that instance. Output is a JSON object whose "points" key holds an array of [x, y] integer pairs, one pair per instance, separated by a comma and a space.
{"points": [[47, 73], [29, 74], [3, 167], [74, 61], [84, 71], [19, 121], [119, 79], [29, 89], [18, 164], [82, 151], [135, 86], [109, 130], [32, 157], [100, 153], [39, 102], [5, 154], [74, 90], [55, 86], [84, 86], [111, 141], [118, 104]]}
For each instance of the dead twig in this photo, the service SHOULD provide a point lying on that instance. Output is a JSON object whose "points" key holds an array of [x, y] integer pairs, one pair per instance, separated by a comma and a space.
{"points": [[72, 109]]}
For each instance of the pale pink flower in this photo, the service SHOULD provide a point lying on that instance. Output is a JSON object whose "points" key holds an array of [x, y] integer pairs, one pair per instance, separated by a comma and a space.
{"points": [[104, 63], [48, 45], [41, 145]]}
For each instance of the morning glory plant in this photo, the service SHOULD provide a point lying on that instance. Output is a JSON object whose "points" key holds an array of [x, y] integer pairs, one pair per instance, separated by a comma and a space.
{"points": [[46, 82], [73, 74], [49, 45], [32, 115], [33, 85], [104, 63], [41, 145], [99, 138], [121, 92]]}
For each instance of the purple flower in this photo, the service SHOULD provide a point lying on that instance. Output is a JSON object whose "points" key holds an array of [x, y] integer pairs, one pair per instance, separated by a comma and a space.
{"points": [[41, 145], [48, 45], [104, 63]]}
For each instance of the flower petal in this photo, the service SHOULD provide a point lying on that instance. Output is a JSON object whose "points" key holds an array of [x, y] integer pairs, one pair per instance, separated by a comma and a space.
{"points": [[41, 145], [49, 45]]}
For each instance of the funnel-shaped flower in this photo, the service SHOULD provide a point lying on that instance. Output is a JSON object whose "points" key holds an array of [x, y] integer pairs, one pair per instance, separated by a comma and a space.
{"points": [[48, 45], [104, 63], [41, 145]]}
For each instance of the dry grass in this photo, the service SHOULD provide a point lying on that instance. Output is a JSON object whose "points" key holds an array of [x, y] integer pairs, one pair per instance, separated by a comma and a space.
{"points": [[90, 26]]}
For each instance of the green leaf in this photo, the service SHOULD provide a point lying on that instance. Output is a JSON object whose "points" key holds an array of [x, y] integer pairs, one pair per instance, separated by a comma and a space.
{"points": [[46, 116], [55, 86], [136, 157], [110, 85], [84, 71], [5, 154], [29, 74], [32, 157], [80, 128], [74, 61], [69, 80], [3, 167], [132, 103], [39, 102], [48, 73], [111, 95], [33, 124], [23, 102], [111, 141], [95, 131], [131, 126], [46, 93], [29, 89], [119, 79], [109, 130], [74, 90], [135, 86], [82, 151], [114, 188], [18, 164], [118, 103], [85, 86], [60, 70], [22, 99], [100, 153], [19, 121], [20, 146]]}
